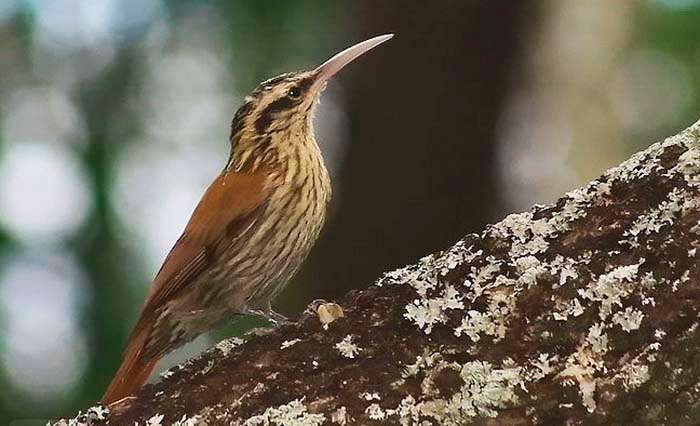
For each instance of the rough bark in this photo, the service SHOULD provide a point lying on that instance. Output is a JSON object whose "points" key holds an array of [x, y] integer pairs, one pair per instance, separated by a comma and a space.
{"points": [[581, 312]]}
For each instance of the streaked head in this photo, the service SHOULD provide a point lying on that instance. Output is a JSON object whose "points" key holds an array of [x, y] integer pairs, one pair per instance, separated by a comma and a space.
{"points": [[285, 103]]}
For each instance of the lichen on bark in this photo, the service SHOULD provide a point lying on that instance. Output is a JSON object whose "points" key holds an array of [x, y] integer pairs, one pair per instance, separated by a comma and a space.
{"points": [[581, 311]]}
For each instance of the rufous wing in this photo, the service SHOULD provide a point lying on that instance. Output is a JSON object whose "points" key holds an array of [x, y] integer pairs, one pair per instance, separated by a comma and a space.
{"points": [[228, 201], [225, 207]]}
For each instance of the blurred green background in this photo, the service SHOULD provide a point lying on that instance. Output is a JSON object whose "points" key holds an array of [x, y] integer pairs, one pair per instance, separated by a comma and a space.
{"points": [[114, 117]]}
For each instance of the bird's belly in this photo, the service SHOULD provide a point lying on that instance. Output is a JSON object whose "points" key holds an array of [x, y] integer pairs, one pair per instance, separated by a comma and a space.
{"points": [[249, 270], [269, 257]]}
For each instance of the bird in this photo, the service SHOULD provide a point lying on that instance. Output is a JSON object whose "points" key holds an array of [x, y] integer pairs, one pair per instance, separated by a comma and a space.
{"points": [[252, 228]]}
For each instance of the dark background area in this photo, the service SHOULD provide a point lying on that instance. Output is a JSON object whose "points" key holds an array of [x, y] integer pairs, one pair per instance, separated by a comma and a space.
{"points": [[114, 117], [419, 170]]}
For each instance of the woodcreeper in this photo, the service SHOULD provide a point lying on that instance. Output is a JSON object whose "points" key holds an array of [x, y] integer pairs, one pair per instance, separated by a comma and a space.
{"points": [[252, 228]]}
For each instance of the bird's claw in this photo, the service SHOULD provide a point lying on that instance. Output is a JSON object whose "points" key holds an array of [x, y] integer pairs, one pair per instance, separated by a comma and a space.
{"points": [[277, 318], [274, 317]]}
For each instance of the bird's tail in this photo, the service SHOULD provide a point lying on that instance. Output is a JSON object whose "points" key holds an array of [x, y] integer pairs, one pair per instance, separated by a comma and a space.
{"points": [[133, 372]]}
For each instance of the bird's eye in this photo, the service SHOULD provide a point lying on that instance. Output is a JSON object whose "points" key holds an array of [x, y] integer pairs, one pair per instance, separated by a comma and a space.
{"points": [[293, 93]]}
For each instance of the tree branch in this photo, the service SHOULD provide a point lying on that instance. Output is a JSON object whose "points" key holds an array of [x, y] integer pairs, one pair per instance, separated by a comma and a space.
{"points": [[582, 311]]}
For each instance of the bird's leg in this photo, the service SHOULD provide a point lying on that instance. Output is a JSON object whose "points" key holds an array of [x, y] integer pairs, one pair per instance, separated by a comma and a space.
{"points": [[277, 318], [258, 331], [267, 312]]}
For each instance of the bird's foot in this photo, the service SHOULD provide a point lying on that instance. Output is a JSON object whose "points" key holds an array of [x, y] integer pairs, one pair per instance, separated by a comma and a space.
{"points": [[274, 317], [277, 318]]}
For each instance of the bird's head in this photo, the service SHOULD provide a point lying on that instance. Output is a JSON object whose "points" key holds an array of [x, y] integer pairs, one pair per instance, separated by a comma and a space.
{"points": [[277, 114]]}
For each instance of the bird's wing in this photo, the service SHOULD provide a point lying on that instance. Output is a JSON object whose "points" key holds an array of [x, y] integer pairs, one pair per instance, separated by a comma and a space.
{"points": [[227, 206]]}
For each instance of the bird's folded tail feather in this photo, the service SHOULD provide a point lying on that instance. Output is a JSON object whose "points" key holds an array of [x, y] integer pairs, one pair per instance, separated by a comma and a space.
{"points": [[133, 372]]}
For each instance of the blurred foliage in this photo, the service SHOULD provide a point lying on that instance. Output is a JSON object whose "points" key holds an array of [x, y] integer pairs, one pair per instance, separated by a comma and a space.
{"points": [[672, 27], [256, 35]]}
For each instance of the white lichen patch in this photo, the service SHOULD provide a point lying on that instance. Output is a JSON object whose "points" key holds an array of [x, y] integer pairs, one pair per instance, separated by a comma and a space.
{"points": [[422, 362], [565, 267], [458, 254], [678, 203], [475, 323], [527, 236], [408, 412], [421, 276], [543, 366], [633, 375], [641, 164], [91, 415], [347, 348], [424, 275], [188, 421], [340, 416], [374, 412], [576, 308], [575, 205], [227, 345], [689, 165], [635, 372], [370, 396], [581, 367], [155, 420], [536, 245], [98, 412], [294, 413], [597, 339], [563, 310], [602, 188], [429, 387], [428, 311], [493, 321], [611, 288], [529, 268], [485, 389], [515, 226], [684, 278], [289, 343], [629, 319], [483, 278]]}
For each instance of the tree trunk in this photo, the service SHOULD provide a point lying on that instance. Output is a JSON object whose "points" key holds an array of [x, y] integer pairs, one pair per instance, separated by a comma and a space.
{"points": [[582, 312]]}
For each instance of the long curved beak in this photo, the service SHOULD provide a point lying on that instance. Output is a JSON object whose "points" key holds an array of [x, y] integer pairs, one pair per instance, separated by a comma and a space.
{"points": [[329, 68]]}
